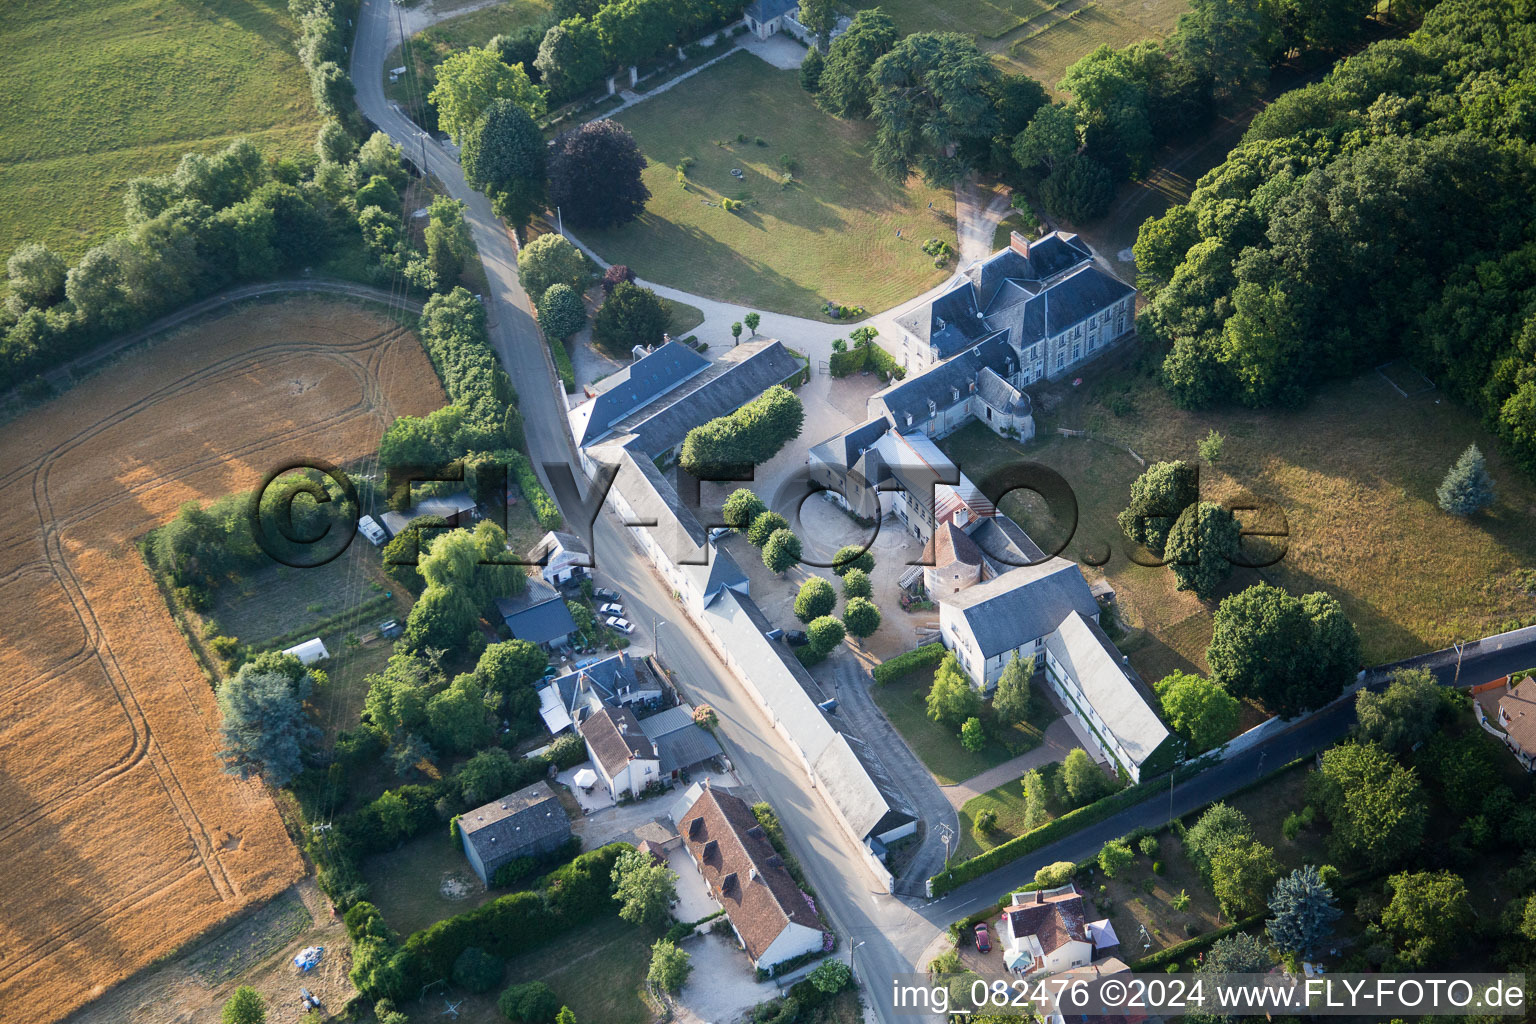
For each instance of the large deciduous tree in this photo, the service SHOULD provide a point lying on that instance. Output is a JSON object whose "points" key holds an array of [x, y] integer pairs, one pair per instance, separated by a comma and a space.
{"points": [[643, 887], [1289, 654], [504, 154], [815, 599], [594, 175], [561, 313], [631, 316], [741, 508], [549, 260], [1158, 497], [782, 551], [1375, 805], [1199, 709], [470, 80], [1429, 913], [1201, 546], [1405, 714], [931, 96], [952, 699], [571, 58], [861, 616], [844, 83]]}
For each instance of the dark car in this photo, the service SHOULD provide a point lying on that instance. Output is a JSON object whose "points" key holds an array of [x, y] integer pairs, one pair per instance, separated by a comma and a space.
{"points": [[983, 938], [606, 594], [796, 637]]}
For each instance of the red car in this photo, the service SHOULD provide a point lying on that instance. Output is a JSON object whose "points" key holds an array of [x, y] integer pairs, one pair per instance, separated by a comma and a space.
{"points": [[983, 939]]}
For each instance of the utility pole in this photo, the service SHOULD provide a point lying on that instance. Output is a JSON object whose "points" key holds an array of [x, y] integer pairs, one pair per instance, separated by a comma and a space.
{"points": [[1456, 681], [946, 833]]}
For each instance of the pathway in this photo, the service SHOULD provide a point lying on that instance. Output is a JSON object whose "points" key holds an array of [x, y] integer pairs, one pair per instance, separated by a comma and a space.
{"points": [[1058, 742], [978, 211], [631, 97]]}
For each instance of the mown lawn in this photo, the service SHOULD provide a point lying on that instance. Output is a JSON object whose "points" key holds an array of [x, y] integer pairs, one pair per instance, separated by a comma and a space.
{"points": [[423, 881], [938, 746], [1354, 474], [103, 92], [831, 234]]}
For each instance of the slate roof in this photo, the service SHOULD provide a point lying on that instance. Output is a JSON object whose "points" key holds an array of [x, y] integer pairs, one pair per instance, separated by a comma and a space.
{"points": [[608, 677], [1520, 705], [1023, 604], [633, 387], [446, 506], [680, 741], [914, 461], [1056, 919], [767, 10], [538, 615], [1004, 544], [744, 873], [1120, 699], [911, 396], [856, 781], [514, 822], [568, 542], [615, 737], [729, 383], [844, 449], [1049, 256], [1001, 395]]}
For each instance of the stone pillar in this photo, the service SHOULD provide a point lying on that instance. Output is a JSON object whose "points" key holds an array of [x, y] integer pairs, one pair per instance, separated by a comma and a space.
{"points": [[634, 75], [612, 87]]}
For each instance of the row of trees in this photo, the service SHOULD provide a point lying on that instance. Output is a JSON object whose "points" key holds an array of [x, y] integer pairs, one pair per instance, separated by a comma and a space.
{"points": [[1319, 247], [953, 701]]}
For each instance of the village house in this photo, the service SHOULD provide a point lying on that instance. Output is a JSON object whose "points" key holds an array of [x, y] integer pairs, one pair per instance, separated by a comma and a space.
{"points": [[527, 823], [562, 558], [1517, 719], [772, 917], [1047, 931], [625, 759], [538, 615], [985, 625]]}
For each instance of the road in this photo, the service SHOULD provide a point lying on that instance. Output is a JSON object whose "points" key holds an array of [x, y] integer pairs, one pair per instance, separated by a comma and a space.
{"points": [[886, 935], [891, 935]]}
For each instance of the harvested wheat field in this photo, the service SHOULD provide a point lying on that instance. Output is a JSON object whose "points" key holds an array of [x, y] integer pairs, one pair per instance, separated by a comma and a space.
{"points": [[120, 837]]}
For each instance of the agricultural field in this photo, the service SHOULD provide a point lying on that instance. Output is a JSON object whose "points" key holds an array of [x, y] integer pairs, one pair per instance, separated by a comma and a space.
{"points": [[1038, 38], [133, 839], [830, 234], [99, 93], [1354, 473]]}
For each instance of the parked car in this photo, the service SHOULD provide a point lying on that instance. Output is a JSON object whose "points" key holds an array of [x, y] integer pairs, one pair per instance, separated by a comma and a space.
{"points": [[611, 608], [983, 938], [718, 532], [605, 593], [390, 629], [550, 672], [797, 638], [622, 625]]}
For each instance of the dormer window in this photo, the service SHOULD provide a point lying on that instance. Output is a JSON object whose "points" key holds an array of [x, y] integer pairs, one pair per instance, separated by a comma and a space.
{"points": [[933, 407], [954, 394]]}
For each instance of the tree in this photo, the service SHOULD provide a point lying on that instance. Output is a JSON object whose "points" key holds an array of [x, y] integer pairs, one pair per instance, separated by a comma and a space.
{"points": [[825, 634], [265, 728], [1201, 547], [669, 968], [972, 736], [470, 80], [245, 1006], [37, 277], [765, 525], [550, 260], [952, 699], [810, 70], [1376, 805], [1114, 857], [1241, 875], [1304, 911], [724, 447], [1055, 874], [1406, 714], [594, 175], [475, 970], [845, 80], [561, 313], [644, 888], [1036, 800], [1199, 709], [820, 16], [570, 57], [1238, 953], [1291, 655], [1085, 781], [449, 246], [1049, 138], [782, 551], [1227, 42], [1014, 697], [615, 275], [1158, 497], [736, 333], [831, 977], [487, 775], [504, 155], [861, 616], [853, 556], [1210, 447], [1467, 487], [631, 316], [1428, 914], [741, 509], [565, 1016], [456, 717], [815, 599], [752, 320], [1079, 190], [530, 1002], [1222, 826], [932, 93]]}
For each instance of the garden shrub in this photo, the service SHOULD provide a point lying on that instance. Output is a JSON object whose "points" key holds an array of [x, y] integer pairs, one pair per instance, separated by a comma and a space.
{"points": [[927, 656]]}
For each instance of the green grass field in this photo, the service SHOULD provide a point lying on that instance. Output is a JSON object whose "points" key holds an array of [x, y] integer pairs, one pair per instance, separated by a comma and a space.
{"points": [[1039, 38], [831, 235], [103, 92], [1354, 473], [938, 746]]}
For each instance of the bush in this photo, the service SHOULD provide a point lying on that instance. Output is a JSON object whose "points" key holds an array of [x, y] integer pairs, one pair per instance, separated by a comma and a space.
{"points": [[927, 656], [830, 977], [532, 1002], [986, 821], [1055, 874], [1114, 857], [1148, 845], [561, 313], [544, 507], [475, 970]]}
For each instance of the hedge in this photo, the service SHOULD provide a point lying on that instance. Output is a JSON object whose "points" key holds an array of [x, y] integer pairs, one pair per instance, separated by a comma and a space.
{"points": [[544, 508], [1183, 949], [1052, 830], [926, 656], [563, 364]]}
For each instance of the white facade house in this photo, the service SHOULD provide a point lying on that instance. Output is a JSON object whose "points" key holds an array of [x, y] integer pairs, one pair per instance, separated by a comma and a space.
{"points": [[987, 624], [1047, 931], [562, 558], [624, 757]]}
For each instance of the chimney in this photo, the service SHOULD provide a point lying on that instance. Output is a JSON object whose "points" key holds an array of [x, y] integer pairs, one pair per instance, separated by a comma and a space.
{"points": [[752, 874], [1039, 895], [1018, 243]]}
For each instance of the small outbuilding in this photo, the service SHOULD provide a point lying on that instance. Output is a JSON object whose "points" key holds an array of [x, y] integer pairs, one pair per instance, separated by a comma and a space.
{"points": [[309, 652], [527, 823]]}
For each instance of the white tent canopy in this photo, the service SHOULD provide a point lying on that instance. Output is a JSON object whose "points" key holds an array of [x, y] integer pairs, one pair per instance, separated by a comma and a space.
{"points": [[586, 778], [309, 652]]}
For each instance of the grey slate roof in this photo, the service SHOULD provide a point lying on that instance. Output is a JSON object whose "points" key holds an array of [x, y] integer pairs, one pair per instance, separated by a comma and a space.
{"points": [[1117, 694], [1001, 395], [515, 822], [843, 450], [767, 10], [540, 552], [856, 782], [446, 506], [1023, 604], [1004, 544], [911, 396], [635, 386], [1048, 257], [680, 742], [734, 380], [538, 614], [608, 677]]}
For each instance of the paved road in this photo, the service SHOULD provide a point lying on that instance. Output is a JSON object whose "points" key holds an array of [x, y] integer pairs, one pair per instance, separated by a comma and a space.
{"points": [[893, 935]]}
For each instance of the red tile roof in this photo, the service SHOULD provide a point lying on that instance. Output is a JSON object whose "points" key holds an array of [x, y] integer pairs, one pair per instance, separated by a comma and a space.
{"points": [[1517, 714]]}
